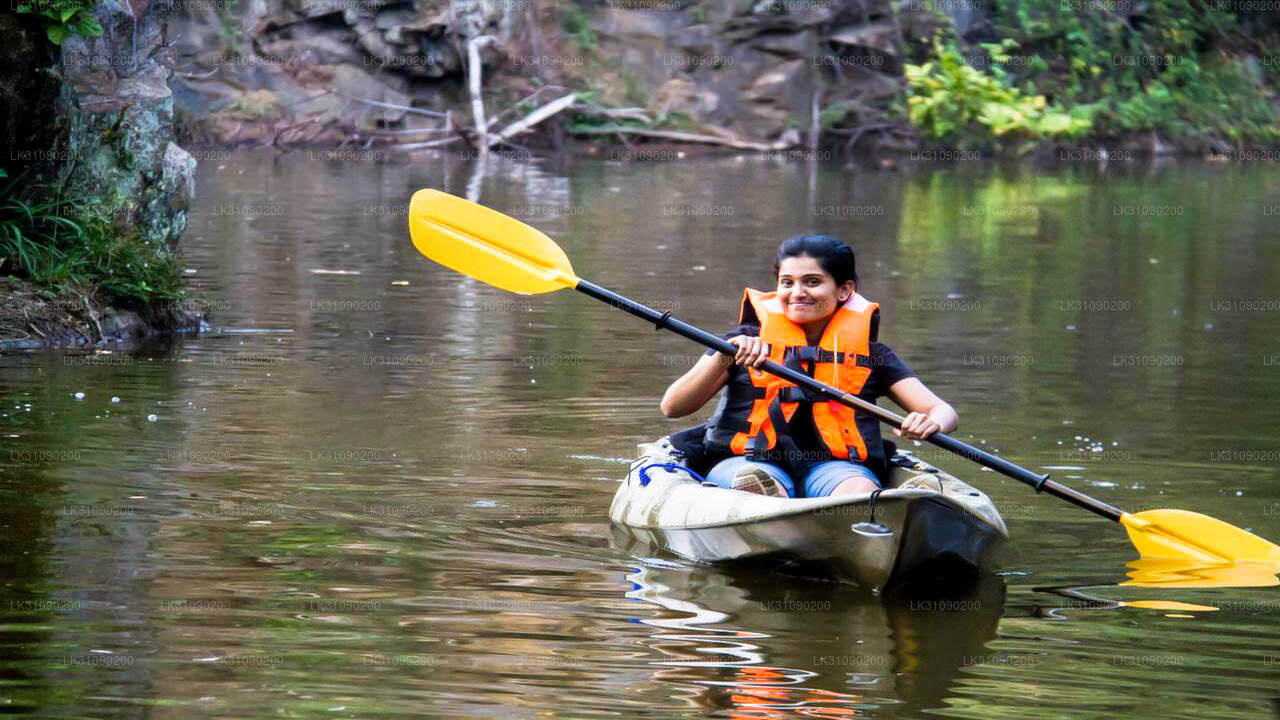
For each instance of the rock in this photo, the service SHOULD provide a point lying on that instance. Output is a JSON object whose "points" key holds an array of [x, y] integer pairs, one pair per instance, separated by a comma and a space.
{"points": [[790, 46], [776, 98], [773, 84], [391, 19], [199, 98], [307, 46], [353, 82], [695, 40], [776, 16], [622, 23], [118, 110], [684, 96], [876, 38], [259, 105]]}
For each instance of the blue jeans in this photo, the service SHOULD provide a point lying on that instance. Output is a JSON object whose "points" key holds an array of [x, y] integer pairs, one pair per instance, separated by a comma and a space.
{"points": [[823, 477]]}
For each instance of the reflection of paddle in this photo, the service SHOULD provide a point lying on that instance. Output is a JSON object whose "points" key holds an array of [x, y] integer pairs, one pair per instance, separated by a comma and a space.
{"points": [[506, 253], [1182, 573], [1092, 602]]}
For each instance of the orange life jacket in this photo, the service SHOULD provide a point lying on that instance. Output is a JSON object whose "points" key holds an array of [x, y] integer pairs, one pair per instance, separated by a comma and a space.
{"points": [[841, 359]]}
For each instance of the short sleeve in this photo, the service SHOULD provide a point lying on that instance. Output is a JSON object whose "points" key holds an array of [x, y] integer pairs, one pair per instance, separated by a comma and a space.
{"points": [[886, 369]]}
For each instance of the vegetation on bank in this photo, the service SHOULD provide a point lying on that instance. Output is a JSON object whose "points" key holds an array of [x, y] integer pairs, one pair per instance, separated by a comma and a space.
{"points": [[62, 18], [1192, 72], [68, 247], [1201, 75]]}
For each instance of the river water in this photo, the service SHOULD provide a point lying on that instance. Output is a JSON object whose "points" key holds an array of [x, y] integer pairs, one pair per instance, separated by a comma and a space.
{"points": [[379, 489]]}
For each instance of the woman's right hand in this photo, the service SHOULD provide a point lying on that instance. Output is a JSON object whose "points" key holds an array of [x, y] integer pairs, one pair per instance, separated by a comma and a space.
{"points": [[752, 351]]}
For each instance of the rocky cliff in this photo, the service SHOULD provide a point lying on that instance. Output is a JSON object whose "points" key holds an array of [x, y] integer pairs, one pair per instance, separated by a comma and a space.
{"points": [[117, 108], [334, 70]]}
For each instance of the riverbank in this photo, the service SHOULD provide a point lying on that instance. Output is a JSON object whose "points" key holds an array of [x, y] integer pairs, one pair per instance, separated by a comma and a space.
{"points": [[31, 320], [891, 77], [93, 191]]}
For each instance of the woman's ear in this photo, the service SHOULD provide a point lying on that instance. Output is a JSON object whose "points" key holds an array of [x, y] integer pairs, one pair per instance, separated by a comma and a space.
{"points": [[846, 290]]}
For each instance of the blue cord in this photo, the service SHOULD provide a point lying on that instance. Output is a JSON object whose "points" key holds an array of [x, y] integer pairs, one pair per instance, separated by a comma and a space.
{"points": [[644, 471]]}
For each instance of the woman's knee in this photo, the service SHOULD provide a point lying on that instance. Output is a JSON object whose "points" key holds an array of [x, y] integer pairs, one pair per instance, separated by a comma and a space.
{"points": [[840, 478], [722, 473], [855, 485]]}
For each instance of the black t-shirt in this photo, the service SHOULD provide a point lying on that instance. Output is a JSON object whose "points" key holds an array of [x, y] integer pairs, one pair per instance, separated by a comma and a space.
{"points": [[886, 369]]}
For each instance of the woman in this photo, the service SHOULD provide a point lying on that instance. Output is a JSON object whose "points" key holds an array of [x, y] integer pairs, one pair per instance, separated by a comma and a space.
{"points": [[772, 437]]}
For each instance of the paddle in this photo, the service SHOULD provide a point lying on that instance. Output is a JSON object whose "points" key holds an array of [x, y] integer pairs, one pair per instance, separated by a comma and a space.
{"points": [[504, 252]]}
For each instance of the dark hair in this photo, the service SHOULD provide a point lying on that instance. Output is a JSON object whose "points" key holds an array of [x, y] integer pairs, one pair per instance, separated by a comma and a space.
{"points": [[831, 253]]}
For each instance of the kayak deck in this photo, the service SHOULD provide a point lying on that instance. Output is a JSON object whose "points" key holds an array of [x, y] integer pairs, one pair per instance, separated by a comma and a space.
{"points": [[924, 517]]}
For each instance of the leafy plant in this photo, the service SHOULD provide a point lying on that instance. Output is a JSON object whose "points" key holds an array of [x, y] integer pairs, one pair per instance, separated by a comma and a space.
{"points": [[1160, 68], [64, 18], [576, 22], [230, 33], [948, 99], [63, 242]]}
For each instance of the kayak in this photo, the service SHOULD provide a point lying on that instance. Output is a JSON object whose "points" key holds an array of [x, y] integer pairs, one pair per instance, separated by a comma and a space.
{"points": [[923, 520]]}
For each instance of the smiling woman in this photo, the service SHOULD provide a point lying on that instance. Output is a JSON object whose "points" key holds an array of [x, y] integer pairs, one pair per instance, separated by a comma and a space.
{"points": [[768, 435]]}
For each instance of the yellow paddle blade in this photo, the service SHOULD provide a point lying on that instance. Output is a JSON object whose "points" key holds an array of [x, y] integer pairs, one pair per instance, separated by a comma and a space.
{"points": [[1183, 573], [487, 245], [1192, 536]]}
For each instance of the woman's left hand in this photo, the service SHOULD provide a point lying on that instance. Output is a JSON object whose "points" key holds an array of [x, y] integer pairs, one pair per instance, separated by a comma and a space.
{"points": [[917, 426]]}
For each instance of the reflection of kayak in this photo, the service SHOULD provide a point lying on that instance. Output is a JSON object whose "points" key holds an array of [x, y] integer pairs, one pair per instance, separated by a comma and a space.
{"points": [[924, 518], [746, 643]]}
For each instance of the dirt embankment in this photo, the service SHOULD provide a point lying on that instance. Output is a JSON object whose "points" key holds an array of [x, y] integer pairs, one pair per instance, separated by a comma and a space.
{"points": [[29, 320]]}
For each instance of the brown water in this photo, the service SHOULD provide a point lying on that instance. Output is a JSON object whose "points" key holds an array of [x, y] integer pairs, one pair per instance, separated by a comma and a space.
{"points": [[383, 492]]}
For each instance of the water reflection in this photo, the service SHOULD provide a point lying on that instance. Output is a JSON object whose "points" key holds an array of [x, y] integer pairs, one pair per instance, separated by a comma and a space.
{"points": [[738, 644], [1182, 573], [397, 506]]}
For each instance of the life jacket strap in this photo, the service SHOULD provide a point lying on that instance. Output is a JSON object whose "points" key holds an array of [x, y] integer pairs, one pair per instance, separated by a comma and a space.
{"points": [[792, 393], [796, 463], [816, 354]]}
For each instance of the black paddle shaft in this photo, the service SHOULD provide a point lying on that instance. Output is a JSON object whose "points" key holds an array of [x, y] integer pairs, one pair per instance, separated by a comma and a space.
{"points": [[1041, 483]]}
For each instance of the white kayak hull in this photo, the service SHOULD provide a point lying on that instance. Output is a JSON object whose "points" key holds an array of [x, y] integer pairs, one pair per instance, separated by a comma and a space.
{"points": [[932, 519]]}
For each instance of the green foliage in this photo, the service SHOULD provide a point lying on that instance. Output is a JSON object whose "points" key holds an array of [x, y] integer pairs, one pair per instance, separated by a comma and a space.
{"points": [[62, 242], [230, 33], [1154, 69], [63, 18], [1217, 98], [832, 115], [1102, 68], [950, 100], [636, 93], [576, 22]]}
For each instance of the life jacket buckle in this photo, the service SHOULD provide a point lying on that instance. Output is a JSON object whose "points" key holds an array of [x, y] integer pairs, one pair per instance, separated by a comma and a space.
{"points": [[791, 393]]}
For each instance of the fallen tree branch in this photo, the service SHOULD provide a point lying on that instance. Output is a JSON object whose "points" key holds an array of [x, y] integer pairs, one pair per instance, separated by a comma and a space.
{"points": [[629, 113], [529, 120], [428, 144], [418, 131], [515, 106], [686, 137]]}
